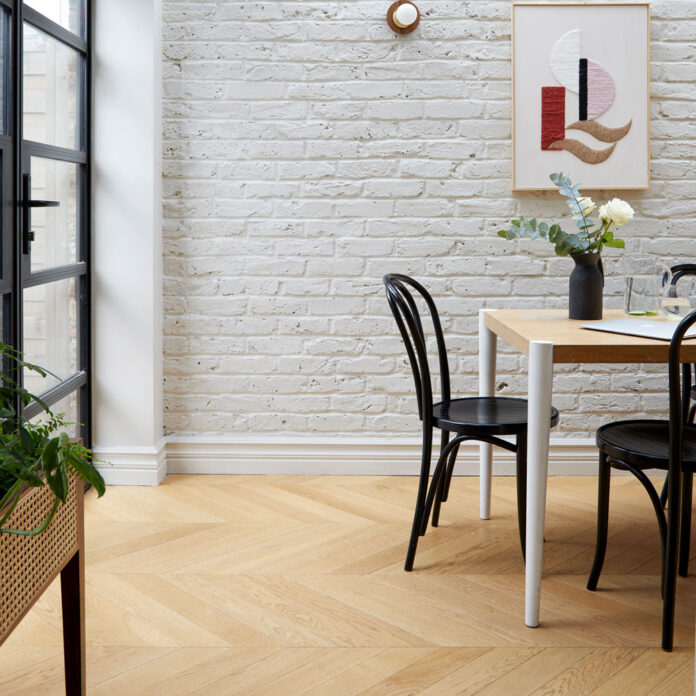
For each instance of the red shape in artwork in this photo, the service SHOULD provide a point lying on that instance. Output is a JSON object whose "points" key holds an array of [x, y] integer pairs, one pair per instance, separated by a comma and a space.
{"points": [[552, 116]]}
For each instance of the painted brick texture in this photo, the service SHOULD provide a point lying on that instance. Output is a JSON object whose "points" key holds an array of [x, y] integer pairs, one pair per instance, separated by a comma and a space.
{"points": [[308, 150]]}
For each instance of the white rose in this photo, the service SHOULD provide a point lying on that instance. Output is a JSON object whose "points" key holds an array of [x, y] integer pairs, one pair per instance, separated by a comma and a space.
{"points": [[616, 211], [587, 205]]}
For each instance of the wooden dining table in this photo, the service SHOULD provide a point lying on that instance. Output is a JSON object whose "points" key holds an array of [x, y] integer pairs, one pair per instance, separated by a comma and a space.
{"points": [[547, 337]]}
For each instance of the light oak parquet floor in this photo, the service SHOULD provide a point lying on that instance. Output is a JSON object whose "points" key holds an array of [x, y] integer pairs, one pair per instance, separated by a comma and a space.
{"points": [[215, 585]]}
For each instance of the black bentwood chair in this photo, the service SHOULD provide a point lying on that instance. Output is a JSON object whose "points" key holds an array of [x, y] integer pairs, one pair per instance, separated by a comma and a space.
{"points": [[678, 272], [686, 269], [472, 418], [637, 445]]}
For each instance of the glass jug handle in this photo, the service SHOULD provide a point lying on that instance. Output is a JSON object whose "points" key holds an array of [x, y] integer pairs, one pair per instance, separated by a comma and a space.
{"points": [[665, 274]]}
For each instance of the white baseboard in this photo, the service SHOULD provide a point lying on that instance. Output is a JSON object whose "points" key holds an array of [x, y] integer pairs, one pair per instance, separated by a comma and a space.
{"points": [[368, 456], [132, 466]]}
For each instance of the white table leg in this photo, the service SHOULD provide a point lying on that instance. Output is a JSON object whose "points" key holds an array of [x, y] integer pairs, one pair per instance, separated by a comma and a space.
{"points": [[540, 387], [487, 352]]}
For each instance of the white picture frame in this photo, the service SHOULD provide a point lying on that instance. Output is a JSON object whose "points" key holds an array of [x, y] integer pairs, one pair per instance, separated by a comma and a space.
{"points": [[580, 94]]}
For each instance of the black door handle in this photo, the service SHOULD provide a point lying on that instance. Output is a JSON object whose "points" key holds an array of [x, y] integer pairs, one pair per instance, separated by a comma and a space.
{"points": [[28, 235], [40, 204]]}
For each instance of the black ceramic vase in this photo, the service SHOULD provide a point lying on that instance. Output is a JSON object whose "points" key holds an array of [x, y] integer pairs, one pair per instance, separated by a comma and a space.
{"points": [[586, 287]]}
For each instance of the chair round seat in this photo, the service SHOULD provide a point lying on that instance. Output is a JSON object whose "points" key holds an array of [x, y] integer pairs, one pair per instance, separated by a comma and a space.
{"points": [[645, 443], [485, 415]]}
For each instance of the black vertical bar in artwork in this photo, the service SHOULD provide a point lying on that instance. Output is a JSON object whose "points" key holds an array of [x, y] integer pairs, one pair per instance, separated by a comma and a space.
{"points": [[582, 90]]}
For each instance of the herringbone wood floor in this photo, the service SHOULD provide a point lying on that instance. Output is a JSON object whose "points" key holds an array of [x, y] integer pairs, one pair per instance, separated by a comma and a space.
{"points": [[216, 585]]}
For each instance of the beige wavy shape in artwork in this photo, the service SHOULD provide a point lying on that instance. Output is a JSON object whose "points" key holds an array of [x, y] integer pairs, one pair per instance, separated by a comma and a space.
{"points": [[596, 129], [581, 151]]}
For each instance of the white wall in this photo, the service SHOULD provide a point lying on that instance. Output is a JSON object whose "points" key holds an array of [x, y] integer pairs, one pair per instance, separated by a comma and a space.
{"points": [[127, 260], [308, 150]]}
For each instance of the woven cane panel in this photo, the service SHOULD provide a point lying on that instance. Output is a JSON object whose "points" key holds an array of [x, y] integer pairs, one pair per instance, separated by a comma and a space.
{"points": [[28, 563]]}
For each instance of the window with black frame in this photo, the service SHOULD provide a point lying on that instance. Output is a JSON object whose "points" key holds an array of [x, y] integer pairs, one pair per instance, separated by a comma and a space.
{"points": [[44, 150]]}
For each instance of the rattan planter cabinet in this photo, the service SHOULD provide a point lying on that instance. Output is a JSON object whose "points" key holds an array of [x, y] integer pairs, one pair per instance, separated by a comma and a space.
{"points": [[28, 565]]}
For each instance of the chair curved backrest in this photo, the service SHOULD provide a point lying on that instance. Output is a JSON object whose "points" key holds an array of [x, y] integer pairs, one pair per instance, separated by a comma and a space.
{"points": [[399, 289], [682, 269], [679, 390]]}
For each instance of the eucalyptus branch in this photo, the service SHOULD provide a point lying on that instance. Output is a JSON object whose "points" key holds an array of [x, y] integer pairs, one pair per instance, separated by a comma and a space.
{"points": [[589, 238], [581, 210]]}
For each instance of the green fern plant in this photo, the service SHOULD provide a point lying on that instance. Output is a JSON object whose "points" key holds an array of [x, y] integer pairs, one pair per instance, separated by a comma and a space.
{"points": [[591, 237], [34, 454]]}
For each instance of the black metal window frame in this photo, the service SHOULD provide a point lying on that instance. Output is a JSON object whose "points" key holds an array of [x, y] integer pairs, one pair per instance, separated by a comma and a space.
{"points": [[16, 263]]}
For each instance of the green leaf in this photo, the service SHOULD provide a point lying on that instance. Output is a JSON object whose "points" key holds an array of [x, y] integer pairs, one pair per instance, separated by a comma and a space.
{"points": [[616, 244], [503, 233], [33, 480], [86, 470], [573, 241], [557, 237], [26, 439], [56, 476], [560, 179]]}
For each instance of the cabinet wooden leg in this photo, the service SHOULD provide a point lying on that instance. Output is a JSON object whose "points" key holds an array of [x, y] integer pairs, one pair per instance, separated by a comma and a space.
{"points": [[72, 590]]}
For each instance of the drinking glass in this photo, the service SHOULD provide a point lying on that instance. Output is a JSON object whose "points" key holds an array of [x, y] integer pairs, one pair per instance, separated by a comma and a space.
{"points": [[679, 299], [645, 283]]}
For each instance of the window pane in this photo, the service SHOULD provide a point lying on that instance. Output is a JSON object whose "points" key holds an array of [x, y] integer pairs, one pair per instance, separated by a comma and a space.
{"points": [[67, 406], [50, 90], [4, 60], [50, 333], [67, 13], [55, 243], [5, 307]]}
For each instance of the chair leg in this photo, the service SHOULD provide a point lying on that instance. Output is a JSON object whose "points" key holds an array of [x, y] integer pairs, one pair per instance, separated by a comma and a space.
{"points": [[521, 461], [659, 513], [448, 473], [420, 499], [685, 534], [440, 497], [670, 566], [663, 493], [602, 521], [687, 494], [438, 476]]}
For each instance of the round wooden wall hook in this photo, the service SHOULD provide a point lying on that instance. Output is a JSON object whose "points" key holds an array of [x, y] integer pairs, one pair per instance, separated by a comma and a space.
{"points": [[403, 17]]}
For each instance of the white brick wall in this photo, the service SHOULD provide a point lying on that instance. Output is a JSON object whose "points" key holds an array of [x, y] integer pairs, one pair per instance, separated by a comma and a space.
{"points": [[309, 150]]}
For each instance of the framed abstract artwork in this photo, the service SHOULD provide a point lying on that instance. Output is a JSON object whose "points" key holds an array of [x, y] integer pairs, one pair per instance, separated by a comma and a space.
{"points": [[580, 90]]}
